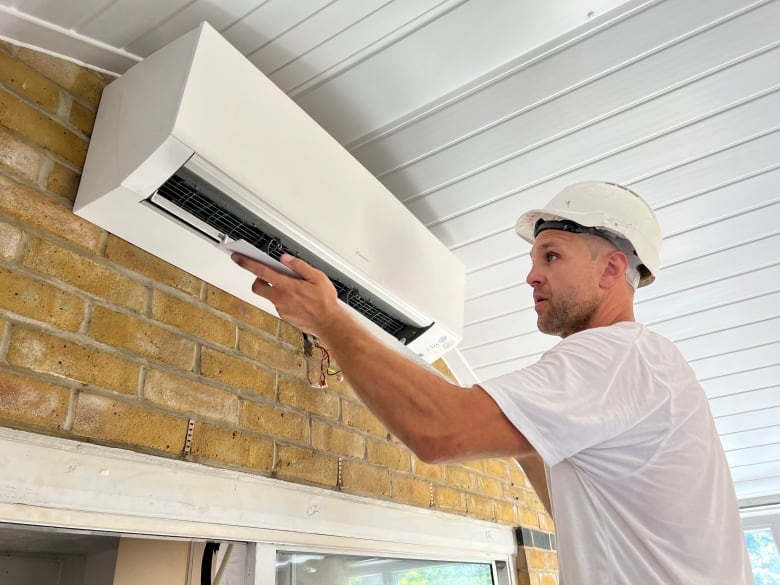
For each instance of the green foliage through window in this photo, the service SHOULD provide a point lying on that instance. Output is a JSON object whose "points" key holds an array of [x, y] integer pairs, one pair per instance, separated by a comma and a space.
{"points": [[450, 574]]}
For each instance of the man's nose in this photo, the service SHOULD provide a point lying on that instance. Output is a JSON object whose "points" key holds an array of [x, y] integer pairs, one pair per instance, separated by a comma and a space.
{"points": [[534, 277]]}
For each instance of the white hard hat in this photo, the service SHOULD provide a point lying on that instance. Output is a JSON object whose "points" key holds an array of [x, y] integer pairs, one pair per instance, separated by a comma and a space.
{"points": [[606, 207]]}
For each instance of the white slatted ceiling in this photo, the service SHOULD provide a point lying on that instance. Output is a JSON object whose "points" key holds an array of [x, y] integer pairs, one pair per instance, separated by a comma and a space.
{"points": [[340, 51], [61, 13], [462, 112], [220, 15]]}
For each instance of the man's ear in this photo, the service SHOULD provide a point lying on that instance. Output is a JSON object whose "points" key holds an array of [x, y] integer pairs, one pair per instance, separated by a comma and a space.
{"points": [[615, 267]]}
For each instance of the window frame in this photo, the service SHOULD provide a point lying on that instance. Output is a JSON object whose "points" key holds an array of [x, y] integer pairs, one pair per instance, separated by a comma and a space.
{"points": [[761, 518], [62, 483]]}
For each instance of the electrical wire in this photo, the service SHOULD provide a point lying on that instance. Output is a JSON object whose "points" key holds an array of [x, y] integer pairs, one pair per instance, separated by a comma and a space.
{"points": [[209, 551], [324, 369]]}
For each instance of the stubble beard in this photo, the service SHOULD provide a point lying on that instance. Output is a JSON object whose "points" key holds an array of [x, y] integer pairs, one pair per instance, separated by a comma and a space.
{"points": [[569, 315]]}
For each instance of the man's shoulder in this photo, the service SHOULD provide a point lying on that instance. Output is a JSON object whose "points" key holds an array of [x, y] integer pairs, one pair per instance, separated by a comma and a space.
{"points": [[621, 338], [623, 332]]}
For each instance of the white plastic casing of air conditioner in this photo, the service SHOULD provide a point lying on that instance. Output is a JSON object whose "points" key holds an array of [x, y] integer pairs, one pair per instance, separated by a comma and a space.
{"points": [[199, 103]]}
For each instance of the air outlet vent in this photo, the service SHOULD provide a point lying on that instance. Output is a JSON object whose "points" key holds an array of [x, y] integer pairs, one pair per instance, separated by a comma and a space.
{"points": [[204, 208]]}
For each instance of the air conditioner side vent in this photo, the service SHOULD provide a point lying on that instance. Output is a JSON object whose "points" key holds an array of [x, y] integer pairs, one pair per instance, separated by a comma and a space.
{"points": [[198, 199]]}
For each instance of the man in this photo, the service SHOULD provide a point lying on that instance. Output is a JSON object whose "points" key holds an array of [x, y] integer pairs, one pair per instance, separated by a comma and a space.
{"points": [[639, 485]]}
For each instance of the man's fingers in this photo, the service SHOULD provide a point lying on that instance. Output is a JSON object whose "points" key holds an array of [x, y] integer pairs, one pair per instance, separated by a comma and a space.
{"points": [[302, 268], [262, 288], [262, 271]]}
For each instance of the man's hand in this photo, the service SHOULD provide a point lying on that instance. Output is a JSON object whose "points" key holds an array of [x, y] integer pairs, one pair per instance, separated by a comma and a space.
{"points": [[309, 302]]}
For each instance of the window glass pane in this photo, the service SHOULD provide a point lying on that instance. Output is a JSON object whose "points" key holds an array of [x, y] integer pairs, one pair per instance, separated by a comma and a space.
{"points": [[325, 569], [764, 558]]}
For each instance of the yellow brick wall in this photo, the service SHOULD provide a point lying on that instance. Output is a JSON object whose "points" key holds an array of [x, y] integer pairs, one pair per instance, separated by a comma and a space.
{"points": [[102, 342]]}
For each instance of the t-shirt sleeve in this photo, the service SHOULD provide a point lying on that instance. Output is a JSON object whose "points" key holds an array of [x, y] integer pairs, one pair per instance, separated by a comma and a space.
{"points": [[588, 390]]}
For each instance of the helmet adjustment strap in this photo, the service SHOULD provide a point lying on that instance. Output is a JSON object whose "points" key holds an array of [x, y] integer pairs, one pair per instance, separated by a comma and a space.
{"points": [[634, 264]]}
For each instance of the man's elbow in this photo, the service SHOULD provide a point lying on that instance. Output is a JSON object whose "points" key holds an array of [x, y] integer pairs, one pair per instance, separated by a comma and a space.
{"points": [[448, 449], [430, 450], [435, 449]]}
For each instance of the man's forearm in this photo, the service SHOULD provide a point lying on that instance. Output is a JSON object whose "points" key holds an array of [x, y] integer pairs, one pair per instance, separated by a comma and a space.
{"points": [[411, 401], [438, 420]]}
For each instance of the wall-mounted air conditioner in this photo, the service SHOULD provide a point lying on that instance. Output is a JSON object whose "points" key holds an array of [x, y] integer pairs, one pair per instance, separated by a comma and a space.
{"points": [[194, 150]]}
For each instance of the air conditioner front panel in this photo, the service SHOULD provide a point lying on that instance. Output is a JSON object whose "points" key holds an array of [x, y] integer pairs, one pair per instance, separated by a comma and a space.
{"points": [[199, 103], [290, 164]]}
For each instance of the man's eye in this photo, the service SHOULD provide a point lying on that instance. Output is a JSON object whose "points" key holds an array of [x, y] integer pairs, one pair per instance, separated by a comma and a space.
{"points": [[550, 256]]}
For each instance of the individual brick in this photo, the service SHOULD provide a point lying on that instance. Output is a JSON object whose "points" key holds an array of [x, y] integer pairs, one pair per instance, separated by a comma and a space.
{"points": [[24, 119], [192, 318], [27, 82], [63, 181], [270, 353], [269, 420], [306, 465], [410, 489], [447, 498], [389, 455], [490, 486], [426, 470], [85, 274], [498, 468], [77, 80], [39, 211], [224, 446], [535, 558], [532, 500], [115, 421], [38, 300], [82, 118], [237, 372], [480, 507], [517, 475], [513, 493], [550, 559], [476, 464], [528, 517], [291, 335], [32, 402], [506, 513], [49, 354], [245, 313], [133, 258], [320, 401], [461, 477], [19, 158], [142, 337], [358, 416], [10, 241], [186, 395], [328, 437], [360, 478]]}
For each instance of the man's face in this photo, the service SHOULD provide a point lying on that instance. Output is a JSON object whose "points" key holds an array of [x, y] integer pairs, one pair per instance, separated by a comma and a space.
{"points": [[565, 279]]}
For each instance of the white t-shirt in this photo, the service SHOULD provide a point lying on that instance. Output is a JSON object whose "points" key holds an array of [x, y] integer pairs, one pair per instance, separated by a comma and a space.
{"points": [[640, 488]]}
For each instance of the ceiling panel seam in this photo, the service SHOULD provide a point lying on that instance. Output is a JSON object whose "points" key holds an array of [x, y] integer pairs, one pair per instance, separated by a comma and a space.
{"points": [[464, 94], [605, 155]]}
